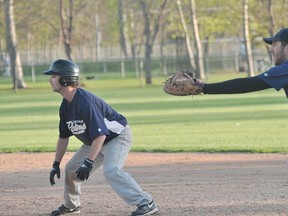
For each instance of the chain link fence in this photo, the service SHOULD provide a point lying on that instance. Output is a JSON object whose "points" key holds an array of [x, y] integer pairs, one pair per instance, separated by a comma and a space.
{"points": [[225, 55]]}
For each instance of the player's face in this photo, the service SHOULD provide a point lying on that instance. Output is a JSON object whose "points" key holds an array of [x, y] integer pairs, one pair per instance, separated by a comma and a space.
{"points": [[278, 53], [54, 82]]}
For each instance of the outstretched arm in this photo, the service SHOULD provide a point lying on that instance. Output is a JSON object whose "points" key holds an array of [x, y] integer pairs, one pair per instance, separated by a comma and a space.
{"points": [[236, 86]]}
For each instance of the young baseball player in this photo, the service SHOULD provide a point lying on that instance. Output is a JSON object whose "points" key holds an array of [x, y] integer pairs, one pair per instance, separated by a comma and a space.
{"points": [[106, 138], [275, 77]]}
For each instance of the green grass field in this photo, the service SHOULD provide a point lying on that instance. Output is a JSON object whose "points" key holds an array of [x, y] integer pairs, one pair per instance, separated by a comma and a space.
{"points": [[254, 122]]}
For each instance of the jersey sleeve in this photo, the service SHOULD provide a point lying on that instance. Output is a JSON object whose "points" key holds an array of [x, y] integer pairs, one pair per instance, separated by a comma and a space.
{"points": [[276, 77], [64, 132]]}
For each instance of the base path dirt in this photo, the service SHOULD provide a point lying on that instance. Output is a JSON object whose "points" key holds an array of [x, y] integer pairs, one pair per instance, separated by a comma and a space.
{"points": [[182, 184]]}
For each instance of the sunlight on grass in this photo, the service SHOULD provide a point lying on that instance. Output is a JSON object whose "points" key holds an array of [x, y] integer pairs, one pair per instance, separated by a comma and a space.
{"points": [[160, 122]]}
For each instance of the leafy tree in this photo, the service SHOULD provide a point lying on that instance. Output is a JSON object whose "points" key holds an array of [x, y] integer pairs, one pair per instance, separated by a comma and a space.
{"points": [[39, 27]]}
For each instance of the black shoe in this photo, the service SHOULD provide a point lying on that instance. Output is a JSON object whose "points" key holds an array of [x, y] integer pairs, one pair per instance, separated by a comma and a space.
{"points": [[147, 209], [64, 210]]}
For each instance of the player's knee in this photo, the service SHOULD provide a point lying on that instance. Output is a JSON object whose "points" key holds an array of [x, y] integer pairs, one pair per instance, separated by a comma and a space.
{"points": [[112, 173], [69, 169]]}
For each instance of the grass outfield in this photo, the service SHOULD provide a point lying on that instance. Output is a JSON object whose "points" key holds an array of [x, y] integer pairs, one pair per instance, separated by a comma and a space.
{"points": [[254, 122]]}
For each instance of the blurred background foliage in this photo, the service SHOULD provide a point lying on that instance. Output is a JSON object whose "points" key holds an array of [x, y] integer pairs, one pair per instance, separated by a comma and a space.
{"points": [[111, 36]]}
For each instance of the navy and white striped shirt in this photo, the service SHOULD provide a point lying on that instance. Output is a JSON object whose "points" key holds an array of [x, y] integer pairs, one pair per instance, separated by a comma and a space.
{"points": [[88, 116]]}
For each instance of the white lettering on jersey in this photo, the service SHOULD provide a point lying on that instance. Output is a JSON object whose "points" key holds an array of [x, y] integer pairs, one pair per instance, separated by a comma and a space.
{"points": [[76, 126]]}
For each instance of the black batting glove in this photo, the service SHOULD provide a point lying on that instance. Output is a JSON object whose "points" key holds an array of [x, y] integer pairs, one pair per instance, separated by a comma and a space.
{"points": [[55, 170], [84, 170]]}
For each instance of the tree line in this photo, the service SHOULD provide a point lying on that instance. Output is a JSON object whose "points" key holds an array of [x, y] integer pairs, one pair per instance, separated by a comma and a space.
{"points": [[133, 24]]}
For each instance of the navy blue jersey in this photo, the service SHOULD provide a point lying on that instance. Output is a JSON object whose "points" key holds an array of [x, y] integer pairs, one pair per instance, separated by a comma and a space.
{"points": [[277, 77], [88, 116]]}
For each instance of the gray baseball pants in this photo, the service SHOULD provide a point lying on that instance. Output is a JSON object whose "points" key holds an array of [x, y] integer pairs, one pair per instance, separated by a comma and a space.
{"points": [[112, 157]]}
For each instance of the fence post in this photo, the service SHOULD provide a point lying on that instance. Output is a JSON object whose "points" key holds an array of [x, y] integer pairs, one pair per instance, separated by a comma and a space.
{"points": [[122, 64]]}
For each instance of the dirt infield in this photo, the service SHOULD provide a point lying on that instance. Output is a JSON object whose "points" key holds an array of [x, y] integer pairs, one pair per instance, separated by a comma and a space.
{"points": [[181, 184]]}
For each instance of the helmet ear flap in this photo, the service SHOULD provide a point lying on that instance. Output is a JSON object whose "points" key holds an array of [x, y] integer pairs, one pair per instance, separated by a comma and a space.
{"points": [[68, 81], [62, 81]]}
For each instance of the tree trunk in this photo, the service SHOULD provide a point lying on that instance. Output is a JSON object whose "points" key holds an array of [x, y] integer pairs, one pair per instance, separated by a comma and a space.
{"points": [[271, 17], [11, 40], [148, 50], [121, 28], [150, 36], [199, 60], [187, 36], [271, 24], [249, 56], [196, 63], [66, 29]]}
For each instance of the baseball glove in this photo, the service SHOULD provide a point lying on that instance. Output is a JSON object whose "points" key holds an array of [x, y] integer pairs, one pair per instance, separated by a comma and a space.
{"points": [[182, 84]]}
